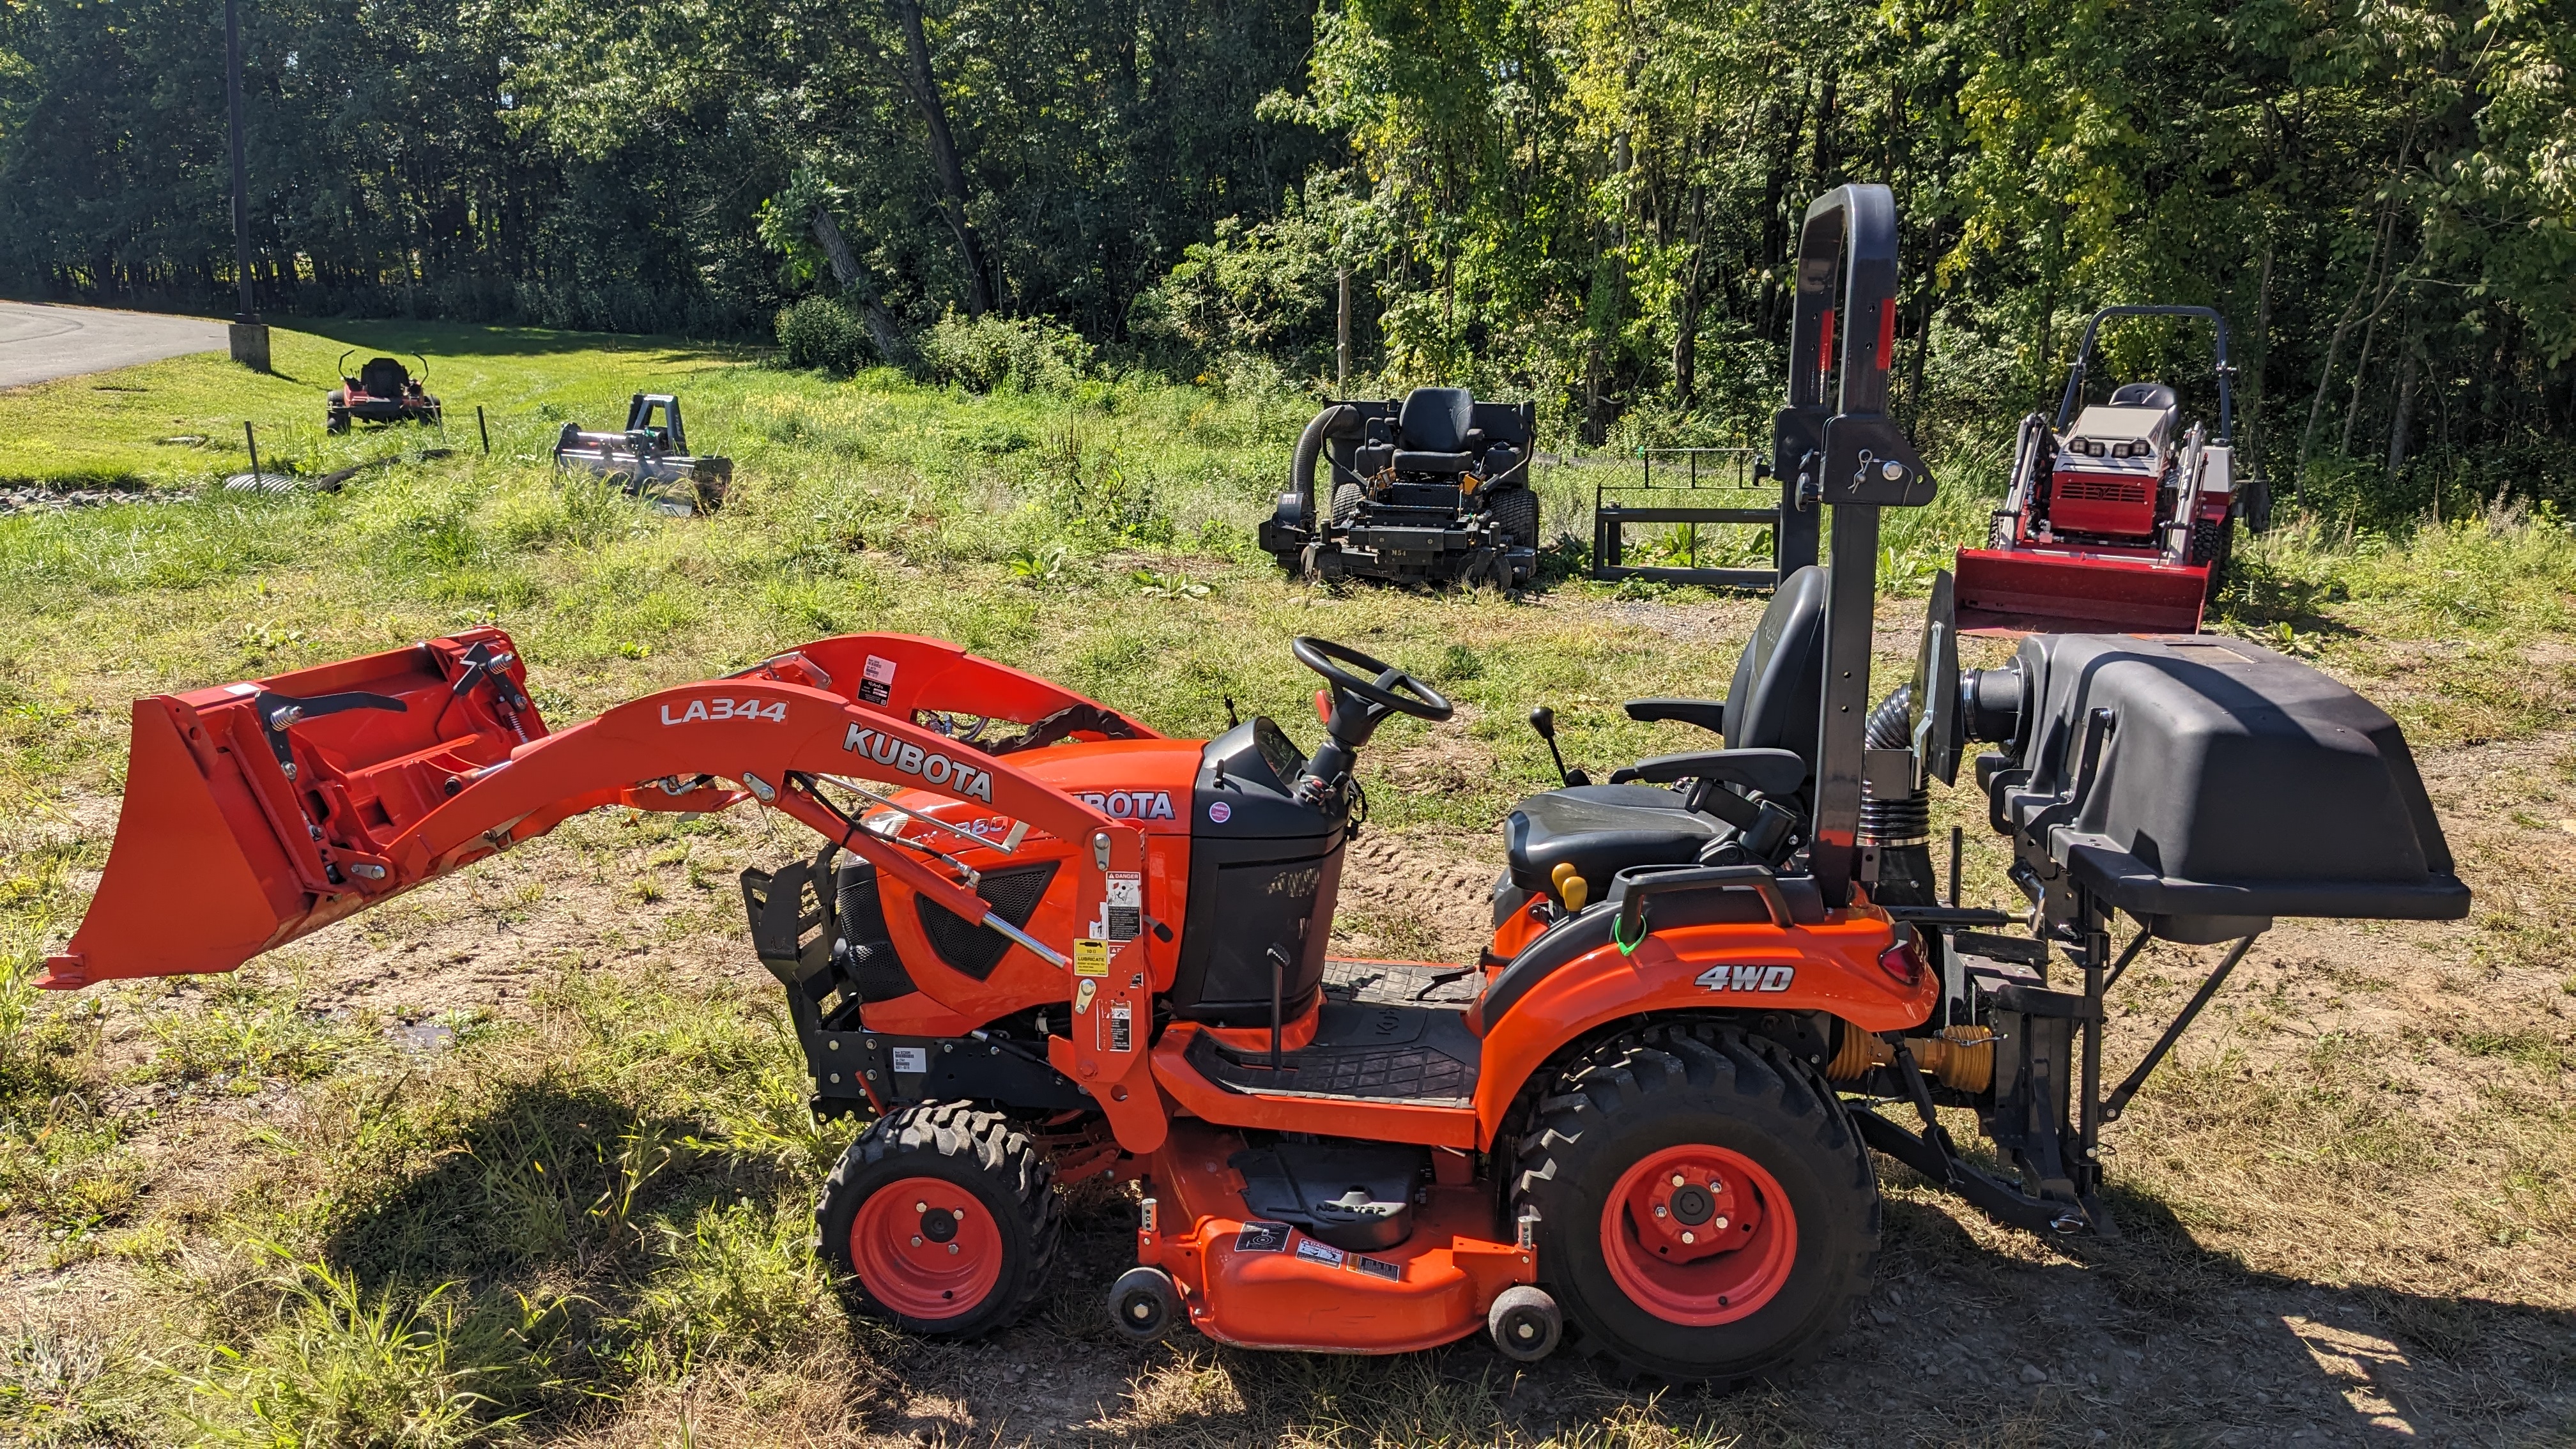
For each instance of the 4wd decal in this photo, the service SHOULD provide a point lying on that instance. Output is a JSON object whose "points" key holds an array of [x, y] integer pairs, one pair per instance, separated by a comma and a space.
{"points": [[963, 780], [1748, 978], [1129, 804], [715, 709]]}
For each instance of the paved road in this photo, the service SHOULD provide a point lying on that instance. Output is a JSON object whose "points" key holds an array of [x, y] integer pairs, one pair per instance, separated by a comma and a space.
{"points": [[39, 343]]}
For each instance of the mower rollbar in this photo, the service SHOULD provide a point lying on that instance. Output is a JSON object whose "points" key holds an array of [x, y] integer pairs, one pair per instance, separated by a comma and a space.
{"points": [[1855, 461], [2084, 356]]}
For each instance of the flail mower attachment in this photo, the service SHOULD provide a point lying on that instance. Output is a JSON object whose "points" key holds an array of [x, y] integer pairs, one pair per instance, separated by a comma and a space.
{"points": [[650, 459]]}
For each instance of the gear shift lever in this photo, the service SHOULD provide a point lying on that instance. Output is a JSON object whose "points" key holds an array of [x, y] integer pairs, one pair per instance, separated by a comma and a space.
{"points": [[1543, 720]]}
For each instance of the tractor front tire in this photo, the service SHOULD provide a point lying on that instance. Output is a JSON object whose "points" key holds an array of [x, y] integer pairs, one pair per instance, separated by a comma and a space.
{"points": [[945, 1218], [1705, 1210], [2213, 543], [335, 413]]}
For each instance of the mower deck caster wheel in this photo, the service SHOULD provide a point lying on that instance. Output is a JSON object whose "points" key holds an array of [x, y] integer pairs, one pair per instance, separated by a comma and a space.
{"points": [[1525, 1324], [1144, 1304]]}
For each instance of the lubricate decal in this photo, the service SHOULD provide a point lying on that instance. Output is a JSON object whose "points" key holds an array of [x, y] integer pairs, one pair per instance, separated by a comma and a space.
{"points": [[963, 780], [1219, 811], [1377, 1267], [1748, 978], [1261, 1237], [876, 683], [1130, 804], [715, 709], [1090, 957], [1324, 1253]]}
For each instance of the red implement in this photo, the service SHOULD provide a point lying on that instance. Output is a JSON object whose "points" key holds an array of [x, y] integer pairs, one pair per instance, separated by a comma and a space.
{"points": [[2040, 591], [260, 812]]}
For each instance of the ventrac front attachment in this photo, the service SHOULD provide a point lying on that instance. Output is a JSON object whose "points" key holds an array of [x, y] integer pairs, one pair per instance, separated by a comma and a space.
{"points": [[259, 812]]}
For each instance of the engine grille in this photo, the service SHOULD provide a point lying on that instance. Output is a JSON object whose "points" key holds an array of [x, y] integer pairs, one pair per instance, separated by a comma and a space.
{"points": [[965, 945]]}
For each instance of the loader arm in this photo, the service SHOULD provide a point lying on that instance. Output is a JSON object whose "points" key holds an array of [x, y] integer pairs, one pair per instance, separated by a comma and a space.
{"points": [[258, 813]]}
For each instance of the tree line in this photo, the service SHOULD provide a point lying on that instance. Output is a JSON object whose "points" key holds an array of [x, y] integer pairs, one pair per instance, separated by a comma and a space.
{"points": [[1589, 202]]}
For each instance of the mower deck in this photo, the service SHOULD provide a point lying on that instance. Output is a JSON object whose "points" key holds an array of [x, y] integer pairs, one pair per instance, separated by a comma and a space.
{"points": [[2043, 590]]}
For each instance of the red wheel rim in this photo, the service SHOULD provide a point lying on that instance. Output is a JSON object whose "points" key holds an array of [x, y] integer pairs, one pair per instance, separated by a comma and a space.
{"points": [[926, 1248], [1705, 1249]]}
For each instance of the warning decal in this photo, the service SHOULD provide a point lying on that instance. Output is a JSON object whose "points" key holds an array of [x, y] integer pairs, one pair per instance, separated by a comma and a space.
{"points": [[876, 685], [1261, 1237]]}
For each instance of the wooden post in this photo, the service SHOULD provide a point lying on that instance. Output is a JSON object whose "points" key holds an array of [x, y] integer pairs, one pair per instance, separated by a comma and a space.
{"points": [[1342, 347]]}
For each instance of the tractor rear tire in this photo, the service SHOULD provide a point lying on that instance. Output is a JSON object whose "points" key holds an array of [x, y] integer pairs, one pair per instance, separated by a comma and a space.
{"points": [[1515, 513], [1347, 498], [335, 412], [945, 1217], [1624, 1152]]}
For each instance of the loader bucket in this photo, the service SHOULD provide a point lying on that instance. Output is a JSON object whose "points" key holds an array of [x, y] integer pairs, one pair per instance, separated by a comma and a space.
{"points": [[255, 813], [2030, 591]]}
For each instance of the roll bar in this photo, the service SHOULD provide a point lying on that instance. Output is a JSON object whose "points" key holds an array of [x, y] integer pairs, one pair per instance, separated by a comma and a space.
{"points": [[2084, 357], [1852, 459]]}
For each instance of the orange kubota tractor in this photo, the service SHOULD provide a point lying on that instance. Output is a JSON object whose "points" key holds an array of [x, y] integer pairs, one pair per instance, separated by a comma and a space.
{"points": [[1041, 940], [2119, 520]]}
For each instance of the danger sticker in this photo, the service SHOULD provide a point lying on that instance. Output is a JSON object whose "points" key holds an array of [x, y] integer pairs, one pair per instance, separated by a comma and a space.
{"points": [[1090, 957], [1122, 1027], [1125, 917], [1261, 1237], [876, 682], [1324, 1253]]}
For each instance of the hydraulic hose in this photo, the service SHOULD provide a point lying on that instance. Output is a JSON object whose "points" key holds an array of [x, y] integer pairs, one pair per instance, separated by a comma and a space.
{"points": [[1340, 421], [1901, 828]]}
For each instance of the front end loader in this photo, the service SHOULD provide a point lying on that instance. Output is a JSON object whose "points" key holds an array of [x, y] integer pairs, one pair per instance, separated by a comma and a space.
{"points": [[1039, 940]]}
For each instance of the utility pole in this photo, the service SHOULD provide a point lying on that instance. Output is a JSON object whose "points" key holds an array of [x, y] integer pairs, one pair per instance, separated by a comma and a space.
{"points": [[249, 334], [1342, 351]]}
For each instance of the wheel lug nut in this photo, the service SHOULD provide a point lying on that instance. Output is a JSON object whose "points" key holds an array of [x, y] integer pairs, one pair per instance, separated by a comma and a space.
{"points": [[952, 1250], [916, 1240], [1659, 1210], [1720, 1223], [1687, 1238], [1677, 1179], [921, 1207]]}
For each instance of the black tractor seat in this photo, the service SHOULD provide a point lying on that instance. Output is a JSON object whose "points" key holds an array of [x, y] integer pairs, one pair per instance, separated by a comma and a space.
{"points": [[1602, 830]]}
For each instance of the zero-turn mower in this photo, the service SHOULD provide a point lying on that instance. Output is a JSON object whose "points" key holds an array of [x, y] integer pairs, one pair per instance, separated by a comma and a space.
{"points": [[1431, 490], [1042, 941], [2121, 520], [383, 391]]}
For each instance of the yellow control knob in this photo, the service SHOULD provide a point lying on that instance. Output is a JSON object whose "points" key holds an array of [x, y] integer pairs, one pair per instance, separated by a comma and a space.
{"points": [[1571, 887]]}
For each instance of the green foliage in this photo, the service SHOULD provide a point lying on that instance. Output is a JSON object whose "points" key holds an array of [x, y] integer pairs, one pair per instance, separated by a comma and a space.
{"points": [[992, 353], [820, 332]]}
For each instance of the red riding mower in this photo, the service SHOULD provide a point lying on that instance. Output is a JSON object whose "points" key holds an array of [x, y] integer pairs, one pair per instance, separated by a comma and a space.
{"points": [[1432, 490], [383, 391], [2121, 521], [1041, 940]]}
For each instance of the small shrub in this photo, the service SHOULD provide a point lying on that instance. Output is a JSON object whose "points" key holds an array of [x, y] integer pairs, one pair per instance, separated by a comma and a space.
{"points": [[820, 332], [993, 353]]}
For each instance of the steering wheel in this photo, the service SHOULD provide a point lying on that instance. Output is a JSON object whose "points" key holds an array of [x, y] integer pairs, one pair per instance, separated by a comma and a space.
{"points": [[1391, 689]]}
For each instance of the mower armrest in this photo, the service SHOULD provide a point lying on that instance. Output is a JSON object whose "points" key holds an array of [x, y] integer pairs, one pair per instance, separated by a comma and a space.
{"points": [[1765, 772], [1708, 714]]}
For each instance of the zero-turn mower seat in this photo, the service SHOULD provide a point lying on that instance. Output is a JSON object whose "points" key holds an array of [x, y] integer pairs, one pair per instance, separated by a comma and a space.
{"points": [[1774, 703], [383, 377], [1431, 430]]}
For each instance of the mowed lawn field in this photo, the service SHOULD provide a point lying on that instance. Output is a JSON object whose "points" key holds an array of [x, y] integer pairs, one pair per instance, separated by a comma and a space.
{"points": [[523, 1158]]}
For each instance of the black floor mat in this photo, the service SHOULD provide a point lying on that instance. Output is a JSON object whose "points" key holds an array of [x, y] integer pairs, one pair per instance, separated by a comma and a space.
{"points": [[1384, 983], [1373, 1053]]}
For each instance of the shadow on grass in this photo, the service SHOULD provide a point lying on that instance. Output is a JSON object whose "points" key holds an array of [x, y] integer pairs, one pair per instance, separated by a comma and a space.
{"points": [[461, 339]]}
